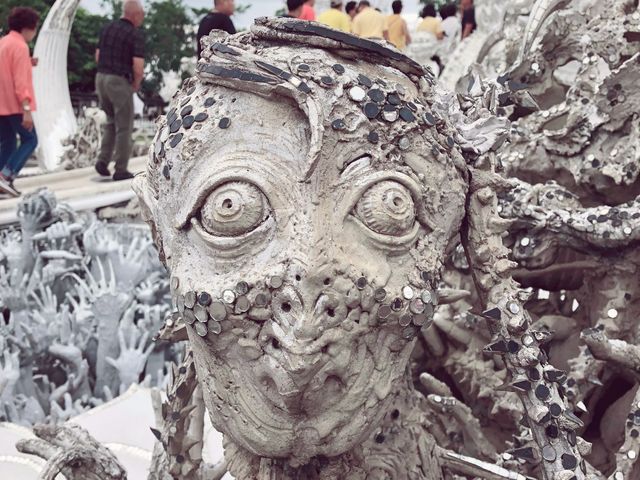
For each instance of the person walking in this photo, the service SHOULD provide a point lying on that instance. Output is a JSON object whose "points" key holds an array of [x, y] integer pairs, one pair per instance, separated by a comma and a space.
{"points": [[120, 57], [17, 98], [294, 8], [368, 23], [335, 17], [308, 12], [450, 25], [430, 23], [218, 19], [468, 18], [396, 27], [352, 9]]}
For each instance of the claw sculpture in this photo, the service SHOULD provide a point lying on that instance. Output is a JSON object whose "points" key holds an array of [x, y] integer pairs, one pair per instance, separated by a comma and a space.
{"points": [[54, 119]]}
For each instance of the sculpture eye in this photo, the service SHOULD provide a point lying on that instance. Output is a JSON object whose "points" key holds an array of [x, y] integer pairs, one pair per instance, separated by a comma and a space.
{"points": [[387, 208], [233, 209]]}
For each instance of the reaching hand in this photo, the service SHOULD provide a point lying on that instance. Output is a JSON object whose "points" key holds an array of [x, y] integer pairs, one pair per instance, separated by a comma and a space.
{"points": [[99, 241], [133, 357], [130, 265], [13, 289], [33, 213], [9, 375]]}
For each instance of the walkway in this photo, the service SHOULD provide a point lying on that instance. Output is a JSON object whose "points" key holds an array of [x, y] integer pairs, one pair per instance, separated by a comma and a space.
{"points": [[82, 188]]}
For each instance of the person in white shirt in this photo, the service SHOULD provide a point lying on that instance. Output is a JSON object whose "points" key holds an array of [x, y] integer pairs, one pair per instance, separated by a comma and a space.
{"points": [[450, 24]]}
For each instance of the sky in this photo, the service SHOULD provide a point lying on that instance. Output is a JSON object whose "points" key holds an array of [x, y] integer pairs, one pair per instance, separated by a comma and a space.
{"points": [[261, 8]]}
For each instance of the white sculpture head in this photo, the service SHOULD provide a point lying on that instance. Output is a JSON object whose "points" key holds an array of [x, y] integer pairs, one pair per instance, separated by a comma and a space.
{"points": [[302, 195]]}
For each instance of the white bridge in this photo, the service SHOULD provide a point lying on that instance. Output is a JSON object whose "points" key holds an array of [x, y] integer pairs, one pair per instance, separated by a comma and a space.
{"points": [[82, 189]]}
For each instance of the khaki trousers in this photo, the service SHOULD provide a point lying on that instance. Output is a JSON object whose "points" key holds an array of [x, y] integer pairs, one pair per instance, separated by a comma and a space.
{"points": [[116, 99]]}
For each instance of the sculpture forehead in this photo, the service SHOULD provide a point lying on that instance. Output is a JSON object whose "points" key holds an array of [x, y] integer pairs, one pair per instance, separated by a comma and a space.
{"points": [[231, 125], [377, 111]]}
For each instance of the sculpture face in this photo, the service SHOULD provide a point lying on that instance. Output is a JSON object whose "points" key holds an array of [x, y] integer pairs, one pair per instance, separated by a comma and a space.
{"points": [[302, 261]]}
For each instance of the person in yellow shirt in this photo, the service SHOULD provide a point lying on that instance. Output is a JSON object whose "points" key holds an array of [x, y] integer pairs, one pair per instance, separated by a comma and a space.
{"points": [[335, 17], [368, 23], [429, 22], [396, 27]]}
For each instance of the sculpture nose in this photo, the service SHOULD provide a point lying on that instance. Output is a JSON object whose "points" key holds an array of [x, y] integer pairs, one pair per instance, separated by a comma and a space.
{"points": [[306, 323], [298, 341]]}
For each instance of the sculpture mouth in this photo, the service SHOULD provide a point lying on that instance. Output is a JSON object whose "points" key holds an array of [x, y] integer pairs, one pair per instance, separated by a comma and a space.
{"points": [[300, 382], [324, 391]]}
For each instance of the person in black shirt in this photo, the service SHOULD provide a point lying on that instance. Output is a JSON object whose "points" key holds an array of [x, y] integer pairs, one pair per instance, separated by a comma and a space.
{"points": [[468, 18], [352, 9], [120, 58], [218, 19], [294, 8]]}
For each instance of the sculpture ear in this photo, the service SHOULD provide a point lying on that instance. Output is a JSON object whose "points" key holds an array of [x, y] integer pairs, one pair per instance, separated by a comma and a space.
{"points": [[142, 190]]}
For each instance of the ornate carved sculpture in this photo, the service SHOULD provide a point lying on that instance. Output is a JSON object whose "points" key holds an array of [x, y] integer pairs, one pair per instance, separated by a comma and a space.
{"points": [[54, 119], [306, 251], [331, 197]]}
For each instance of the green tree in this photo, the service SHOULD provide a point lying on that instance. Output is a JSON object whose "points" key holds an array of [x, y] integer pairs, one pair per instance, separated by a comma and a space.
{"points": [[81, 63], [170, 36], [438, 3], [40, 6], [114, 6]]}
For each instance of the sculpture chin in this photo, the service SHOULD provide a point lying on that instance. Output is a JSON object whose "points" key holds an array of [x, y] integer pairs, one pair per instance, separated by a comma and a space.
{"points": [[283, 413]]}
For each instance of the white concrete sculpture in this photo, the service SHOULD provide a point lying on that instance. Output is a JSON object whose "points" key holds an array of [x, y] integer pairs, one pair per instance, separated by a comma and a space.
{"points": [[331, 219], [54, 119], [302, 302], [79, 299]]}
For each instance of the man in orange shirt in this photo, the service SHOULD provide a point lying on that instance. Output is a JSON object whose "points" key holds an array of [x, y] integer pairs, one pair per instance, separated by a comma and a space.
{"points": [[17, 99]]}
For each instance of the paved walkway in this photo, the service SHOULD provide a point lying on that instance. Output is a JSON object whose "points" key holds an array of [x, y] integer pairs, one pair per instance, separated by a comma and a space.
{"points": [[82, 188]]}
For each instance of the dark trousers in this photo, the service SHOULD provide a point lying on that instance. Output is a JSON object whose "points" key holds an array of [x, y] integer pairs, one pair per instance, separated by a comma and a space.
{"points": [[116, 99], [12, 157]]}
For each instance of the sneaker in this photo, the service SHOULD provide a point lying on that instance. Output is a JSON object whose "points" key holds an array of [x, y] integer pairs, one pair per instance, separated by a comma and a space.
{"points": [[102, 169], [14, 188], [6, 187], [122, 176]]}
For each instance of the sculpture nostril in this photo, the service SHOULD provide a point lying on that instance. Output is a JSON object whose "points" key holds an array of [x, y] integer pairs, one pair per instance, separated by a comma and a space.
{"points": [[298, 278], [327, 281], [331, 312], [286, 307], [275, 343]]}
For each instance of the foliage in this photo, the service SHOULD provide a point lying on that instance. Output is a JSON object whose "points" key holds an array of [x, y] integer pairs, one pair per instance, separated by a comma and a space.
{"points": [[170, 36], [438, 3], [81, 63], [41, 6], [169, 26], [114, 6], [242, 8]]}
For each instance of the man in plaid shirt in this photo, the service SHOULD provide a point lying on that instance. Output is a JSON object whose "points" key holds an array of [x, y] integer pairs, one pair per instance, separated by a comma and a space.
{"points": [[120, 57]]}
